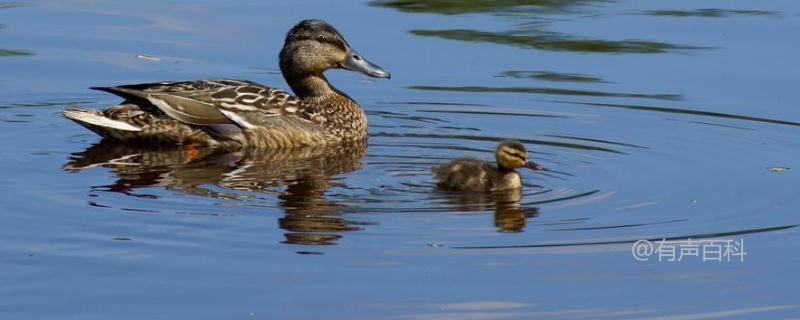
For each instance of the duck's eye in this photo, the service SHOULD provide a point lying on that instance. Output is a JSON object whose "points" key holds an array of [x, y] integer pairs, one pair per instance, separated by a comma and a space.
{"points": [[321, 38]]}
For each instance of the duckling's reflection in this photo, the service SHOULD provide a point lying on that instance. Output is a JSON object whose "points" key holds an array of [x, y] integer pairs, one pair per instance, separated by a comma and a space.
{"points": [[298, 177], [509, 215]]}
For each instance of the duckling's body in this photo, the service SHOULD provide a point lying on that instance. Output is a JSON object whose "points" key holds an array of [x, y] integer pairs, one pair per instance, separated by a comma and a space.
{"points": [[468, 174], [232, 113]]}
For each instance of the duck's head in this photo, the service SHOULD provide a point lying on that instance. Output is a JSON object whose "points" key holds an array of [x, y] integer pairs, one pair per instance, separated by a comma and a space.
{"points": [[313, 46], [511, 154]]}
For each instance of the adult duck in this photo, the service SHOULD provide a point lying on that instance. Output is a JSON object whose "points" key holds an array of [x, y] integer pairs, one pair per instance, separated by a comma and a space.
{"points": [[228, 113]]}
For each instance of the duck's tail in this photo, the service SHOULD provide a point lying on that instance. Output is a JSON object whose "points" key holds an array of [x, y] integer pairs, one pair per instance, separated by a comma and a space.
{"points": [[130, 123], [99, 123]]}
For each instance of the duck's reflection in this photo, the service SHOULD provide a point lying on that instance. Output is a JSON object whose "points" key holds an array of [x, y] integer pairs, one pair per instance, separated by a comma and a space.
{"points": [[299, 178], [509, 215]]}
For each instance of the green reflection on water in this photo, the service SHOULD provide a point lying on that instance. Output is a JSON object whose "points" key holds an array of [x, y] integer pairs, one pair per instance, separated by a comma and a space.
{"points": [[554, 91], [531, 18], [550, 76], [709, 13], [14, 52], [553, 42], [476, 6], [7, 5]]}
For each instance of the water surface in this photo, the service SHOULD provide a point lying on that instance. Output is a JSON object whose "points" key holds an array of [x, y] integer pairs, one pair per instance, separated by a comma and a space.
{"points": [[655, 120]]}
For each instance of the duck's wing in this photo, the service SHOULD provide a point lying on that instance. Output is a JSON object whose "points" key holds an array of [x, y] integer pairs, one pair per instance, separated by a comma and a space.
{"points": [[256, 105], [216, 101]]}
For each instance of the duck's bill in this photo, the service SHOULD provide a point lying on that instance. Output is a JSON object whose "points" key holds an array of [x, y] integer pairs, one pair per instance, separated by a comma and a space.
{"points": [[533, 166], [355, 62]]}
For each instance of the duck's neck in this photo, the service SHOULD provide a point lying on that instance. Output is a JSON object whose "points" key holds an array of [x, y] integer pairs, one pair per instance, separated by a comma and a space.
{"points": [[312, 87], [505, 170]]}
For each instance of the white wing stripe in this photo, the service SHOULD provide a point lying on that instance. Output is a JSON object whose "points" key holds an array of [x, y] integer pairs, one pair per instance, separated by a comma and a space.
{"points": [[100, 121], [238, 119]]}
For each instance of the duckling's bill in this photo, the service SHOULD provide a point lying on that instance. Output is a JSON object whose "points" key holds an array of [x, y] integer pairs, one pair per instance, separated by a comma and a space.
{"points": [[533, 166], [355, 62]]}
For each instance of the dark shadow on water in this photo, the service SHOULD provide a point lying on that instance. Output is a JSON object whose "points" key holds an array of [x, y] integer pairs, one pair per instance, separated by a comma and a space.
{"points": [[451, 7], [9, 5], [531, 18], [620, 226], [551, 41], [406, 117], [596, 140], [651, 239], [44, 104], [550, 76], [710, 13], [494, 113], [549, 91], [454, 108], [14, 52], [298, 177], [686, 111]]}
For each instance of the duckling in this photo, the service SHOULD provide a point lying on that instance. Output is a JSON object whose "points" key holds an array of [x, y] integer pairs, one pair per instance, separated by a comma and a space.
{"points": [[231, 113], [467, 174]]}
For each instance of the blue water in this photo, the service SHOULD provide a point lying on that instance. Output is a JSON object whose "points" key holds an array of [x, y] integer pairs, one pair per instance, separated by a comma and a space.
{"points": [[657, 120]]}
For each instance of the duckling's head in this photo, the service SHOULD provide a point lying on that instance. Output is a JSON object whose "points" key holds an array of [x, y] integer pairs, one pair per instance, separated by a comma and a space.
{"points": [[511, 154], [313, 46]]}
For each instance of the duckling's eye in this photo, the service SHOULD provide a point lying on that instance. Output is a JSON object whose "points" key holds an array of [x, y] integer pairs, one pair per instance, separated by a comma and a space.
{"points": [[515, 155]]}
